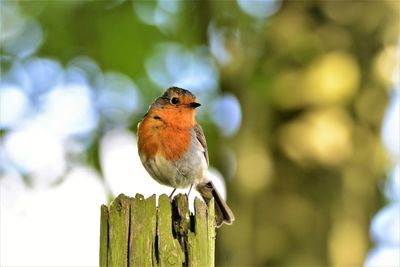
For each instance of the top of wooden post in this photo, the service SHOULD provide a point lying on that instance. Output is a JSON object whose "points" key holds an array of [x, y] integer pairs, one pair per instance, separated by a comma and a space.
{"points": [[135, 232]]}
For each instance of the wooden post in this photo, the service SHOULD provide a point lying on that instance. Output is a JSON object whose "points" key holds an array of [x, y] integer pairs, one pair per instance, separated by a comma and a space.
{"points": [[135, 232]]}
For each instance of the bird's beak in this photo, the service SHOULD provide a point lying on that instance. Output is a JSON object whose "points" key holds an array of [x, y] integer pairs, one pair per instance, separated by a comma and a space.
{"points": [[194, 105]]}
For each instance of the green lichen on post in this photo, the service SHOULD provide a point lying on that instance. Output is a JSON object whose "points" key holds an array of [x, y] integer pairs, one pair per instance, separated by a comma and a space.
{"points": [[134, 232], [200, 249], [103, 254], [181, 219], [142, 231], [170, 252], [119, 231], [211, 234]]}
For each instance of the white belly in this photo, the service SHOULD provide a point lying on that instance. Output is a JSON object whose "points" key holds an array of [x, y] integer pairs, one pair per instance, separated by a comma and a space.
{"points": [[191, 169]]}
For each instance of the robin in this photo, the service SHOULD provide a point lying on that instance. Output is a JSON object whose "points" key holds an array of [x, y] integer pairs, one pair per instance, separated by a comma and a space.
{"points": [[173, 148]]}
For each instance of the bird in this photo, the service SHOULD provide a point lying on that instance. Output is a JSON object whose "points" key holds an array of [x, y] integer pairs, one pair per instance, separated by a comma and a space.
{"points": [[172, 147]]}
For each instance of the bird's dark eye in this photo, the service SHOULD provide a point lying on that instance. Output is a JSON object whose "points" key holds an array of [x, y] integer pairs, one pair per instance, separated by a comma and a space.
{"points": [[174, 100]]}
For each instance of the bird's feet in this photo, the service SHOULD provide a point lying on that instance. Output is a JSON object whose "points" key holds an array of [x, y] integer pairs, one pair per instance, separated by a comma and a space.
{"points": [[172, 194]]}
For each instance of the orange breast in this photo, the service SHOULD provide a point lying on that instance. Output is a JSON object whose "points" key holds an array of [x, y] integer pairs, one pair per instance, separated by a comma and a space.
{"points": [[159, 137], [147, 144]]}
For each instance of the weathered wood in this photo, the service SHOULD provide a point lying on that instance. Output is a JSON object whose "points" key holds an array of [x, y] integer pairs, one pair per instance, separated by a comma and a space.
{"points": [[170, 252], [211, 234], [200, 242], [143, 231], [181, 220], [103, 253], [134, 232], [118, 231]]}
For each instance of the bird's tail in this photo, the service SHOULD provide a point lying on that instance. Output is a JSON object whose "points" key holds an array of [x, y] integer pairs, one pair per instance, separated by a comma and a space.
{"points": [[223, 214]]}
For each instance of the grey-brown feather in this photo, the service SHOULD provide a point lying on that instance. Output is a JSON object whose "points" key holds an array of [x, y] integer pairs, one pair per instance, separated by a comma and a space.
{"points": [[201, 138]]}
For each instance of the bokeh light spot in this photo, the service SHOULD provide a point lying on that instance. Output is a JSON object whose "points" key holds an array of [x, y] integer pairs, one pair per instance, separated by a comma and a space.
{"points": [[118, 99], [172, 64], [217, 40], [333, 78], [227, 115], [383, 256], [68, 109], [392, 190], [385, 225], [322, 136], [43, 73], [14, 104], [34, 150], [391, 128], [26, 42], [385, 64], [347, 243], [259, 8], [161, 14], [11, 21]]}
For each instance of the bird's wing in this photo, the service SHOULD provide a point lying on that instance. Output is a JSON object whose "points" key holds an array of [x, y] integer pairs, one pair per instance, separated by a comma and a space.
{"points": [[201, 138]]}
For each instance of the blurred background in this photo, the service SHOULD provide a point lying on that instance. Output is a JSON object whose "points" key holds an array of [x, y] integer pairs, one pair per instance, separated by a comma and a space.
{"points": [[300, 109]]}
